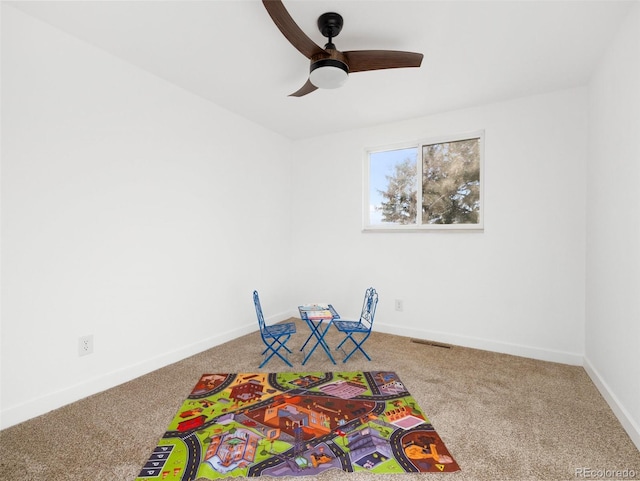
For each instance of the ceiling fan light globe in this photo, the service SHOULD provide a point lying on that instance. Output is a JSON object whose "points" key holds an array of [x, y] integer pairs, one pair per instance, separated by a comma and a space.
{"points": [[328, 73]]}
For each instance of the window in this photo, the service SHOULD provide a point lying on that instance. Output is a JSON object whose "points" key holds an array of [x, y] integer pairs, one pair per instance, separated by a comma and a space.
{"points": [[443, 176]]}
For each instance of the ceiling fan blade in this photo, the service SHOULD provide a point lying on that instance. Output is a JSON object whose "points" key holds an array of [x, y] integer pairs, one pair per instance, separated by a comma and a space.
{"points": [[304, 90], [290, 29], [363, 60]]}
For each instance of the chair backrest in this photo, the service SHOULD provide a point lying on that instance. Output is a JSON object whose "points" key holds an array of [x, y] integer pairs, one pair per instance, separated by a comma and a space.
{"points": [[369, 307], [256, 302]]}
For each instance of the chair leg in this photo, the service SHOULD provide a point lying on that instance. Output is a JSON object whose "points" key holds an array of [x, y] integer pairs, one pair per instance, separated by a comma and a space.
{"points": [[282, 344], [275, 351], [358, 347], [343, 341]]}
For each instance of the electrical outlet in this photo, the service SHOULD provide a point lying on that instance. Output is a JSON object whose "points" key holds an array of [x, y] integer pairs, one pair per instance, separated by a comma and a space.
{"points": [[85, 345], [398, 304]]}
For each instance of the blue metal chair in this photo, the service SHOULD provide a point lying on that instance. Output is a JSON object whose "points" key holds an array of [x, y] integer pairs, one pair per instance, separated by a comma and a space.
{"points": [[275, 336], [361, 328]]}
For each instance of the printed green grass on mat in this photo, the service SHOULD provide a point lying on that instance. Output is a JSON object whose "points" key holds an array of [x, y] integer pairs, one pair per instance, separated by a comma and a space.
{"points": [[297, 424]]}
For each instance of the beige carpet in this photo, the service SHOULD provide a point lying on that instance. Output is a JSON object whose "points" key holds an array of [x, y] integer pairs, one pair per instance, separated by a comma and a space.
{"points": [[502, 417]]}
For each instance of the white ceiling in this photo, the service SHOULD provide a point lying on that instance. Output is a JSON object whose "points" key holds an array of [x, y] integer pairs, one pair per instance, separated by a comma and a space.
{"points": [[231, 53]]}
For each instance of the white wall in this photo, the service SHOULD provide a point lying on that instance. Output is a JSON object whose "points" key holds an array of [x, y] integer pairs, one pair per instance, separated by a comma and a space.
{"points": [[127, 213], [612, 354], [518, 287]]}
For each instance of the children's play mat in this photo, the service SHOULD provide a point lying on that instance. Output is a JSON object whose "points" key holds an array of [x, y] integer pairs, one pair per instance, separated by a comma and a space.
{"points": [[297, 424]]}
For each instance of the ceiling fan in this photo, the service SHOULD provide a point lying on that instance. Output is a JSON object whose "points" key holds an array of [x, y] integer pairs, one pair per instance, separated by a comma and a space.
{"points": [[330, 67]]}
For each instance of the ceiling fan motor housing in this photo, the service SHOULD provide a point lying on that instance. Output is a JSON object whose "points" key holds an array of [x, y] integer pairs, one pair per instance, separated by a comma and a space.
{"points": [[328, 70]]}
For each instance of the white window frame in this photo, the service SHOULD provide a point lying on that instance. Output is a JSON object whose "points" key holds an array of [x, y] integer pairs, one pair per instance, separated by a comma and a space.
{"points": [[418, 226]]}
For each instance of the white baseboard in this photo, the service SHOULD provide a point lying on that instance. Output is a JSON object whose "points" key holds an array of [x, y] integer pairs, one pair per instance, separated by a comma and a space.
{"points": [[574, 359], [629, 425], [42, 405], [50, 401]]}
